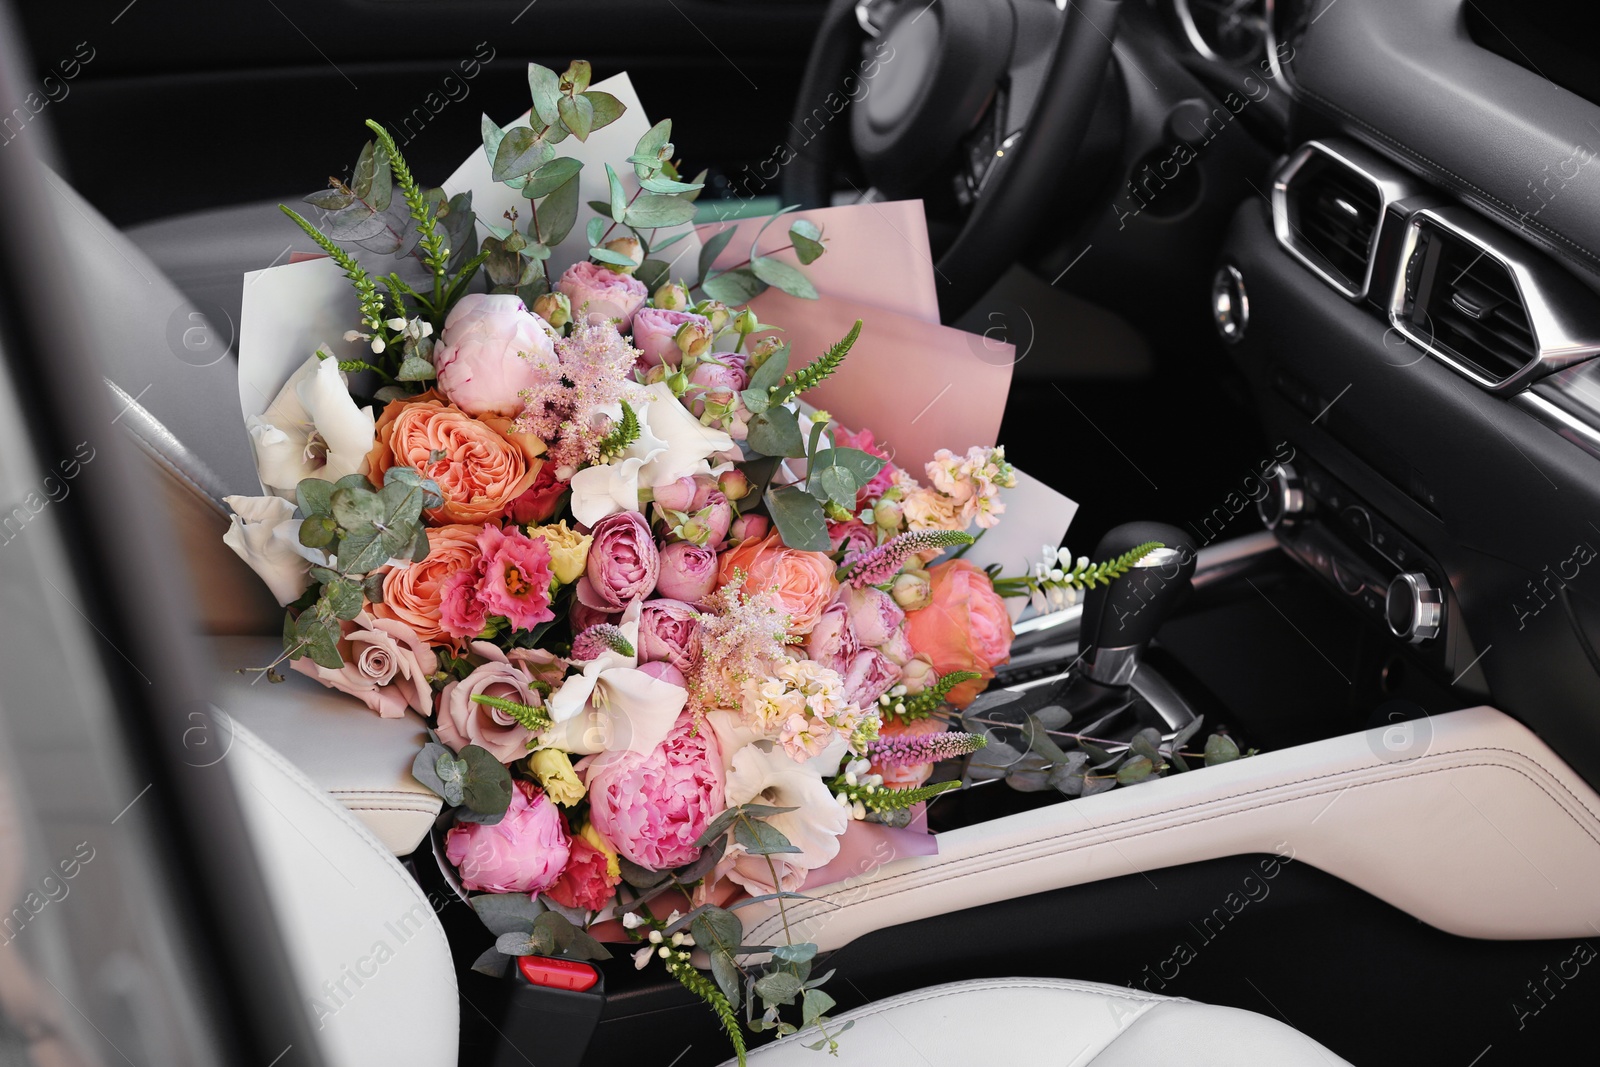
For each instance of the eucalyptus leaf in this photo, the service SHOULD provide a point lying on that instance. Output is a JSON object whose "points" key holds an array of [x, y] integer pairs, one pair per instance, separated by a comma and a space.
{"points": [[833, 483], [487, 786], [712, 247], [329, 200], [619, 196], [492, 962], [606, 255], [781, 275], [652, 273], [520, 152], [318, 531], [779, 987], [1182, 737], [424, 767], [1146, 743], [559, 212], [654, 209], [776, 432], [1220, 748], [595, 229], [815, 1005], [861, 465], [451, 773], [717, 930], [737, 286], [1135, 770], [658, 184], [807, 240], [647, 152], [505, 913], [761, 838], [799, 519], [345, 599], [577, 115], [726, 973], [604, 107], [545, 86], [770, 373], [551, 176]]}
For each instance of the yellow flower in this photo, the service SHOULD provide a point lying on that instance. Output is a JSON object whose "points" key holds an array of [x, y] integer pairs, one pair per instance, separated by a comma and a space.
{"points": [[554, 771], [595, 838], [569, 550]]}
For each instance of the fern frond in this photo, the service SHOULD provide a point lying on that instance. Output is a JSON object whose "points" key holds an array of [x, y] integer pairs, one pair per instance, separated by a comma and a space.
{"points": [[818, 371], [625, 433]]}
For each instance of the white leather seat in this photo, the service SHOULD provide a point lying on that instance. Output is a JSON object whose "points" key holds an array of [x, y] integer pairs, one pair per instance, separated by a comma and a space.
{"points": [[1049, 1022], [367, 949]]}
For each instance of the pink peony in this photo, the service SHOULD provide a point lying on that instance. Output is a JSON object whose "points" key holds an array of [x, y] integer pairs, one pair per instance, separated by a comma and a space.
{"points": [[831, 641], [874, 615], [489, 351], [386, 667], [463, 721], [898, 647], [688, 572], [623, 563], [602, 295], [669, 631], [869, 676], [879, 482], [654, 333], [654, 807], [677, 495], [663, 671], [515, 579], [717, 380], [525, 852]]}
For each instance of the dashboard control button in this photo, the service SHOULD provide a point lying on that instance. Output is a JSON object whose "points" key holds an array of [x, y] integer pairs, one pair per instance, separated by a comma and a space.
{"points": [[1414, 608], [1285, 498], [1358, 521], [1230, 304]]}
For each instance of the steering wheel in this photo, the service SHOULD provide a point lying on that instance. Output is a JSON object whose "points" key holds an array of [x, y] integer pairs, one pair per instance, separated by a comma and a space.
{"points": [[977, 106]]}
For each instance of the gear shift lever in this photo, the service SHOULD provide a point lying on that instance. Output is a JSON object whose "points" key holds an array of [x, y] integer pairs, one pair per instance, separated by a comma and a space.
{"points": [[1120, 619]]}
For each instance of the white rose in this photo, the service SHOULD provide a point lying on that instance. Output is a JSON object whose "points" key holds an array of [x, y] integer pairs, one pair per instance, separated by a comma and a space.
{"points": [[312, 429]]}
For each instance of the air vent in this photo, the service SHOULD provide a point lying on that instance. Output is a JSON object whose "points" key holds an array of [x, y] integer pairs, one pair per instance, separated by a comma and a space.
{"points": [[1482, 303], [1327, 206]]}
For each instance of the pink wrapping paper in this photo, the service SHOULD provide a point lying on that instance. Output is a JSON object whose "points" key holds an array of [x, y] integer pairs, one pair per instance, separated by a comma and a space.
{"points": [[866, 846]]}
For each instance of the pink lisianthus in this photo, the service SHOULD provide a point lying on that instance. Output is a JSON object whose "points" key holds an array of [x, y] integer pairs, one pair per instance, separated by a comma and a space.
{"points": [[525, 852], [669, 631], [879, 482], [869, 676], [490, 350], [654, 807], [831, 641], [688, 572], [463, 721], [516, 576], [655, 332], [386, 667], [623, 563], [874, 615], [601, 295], [586, 883]]}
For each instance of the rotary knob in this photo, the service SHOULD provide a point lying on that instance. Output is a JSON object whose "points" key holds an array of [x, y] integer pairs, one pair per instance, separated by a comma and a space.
{"points": [[1285, 498], [1415, 608]]}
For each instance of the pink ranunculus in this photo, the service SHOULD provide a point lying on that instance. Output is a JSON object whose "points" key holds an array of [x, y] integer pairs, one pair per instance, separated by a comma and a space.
{"points": [[688, 572], [490, 350], [623, 563], [585, 883], [831, 641], [870, 675], [749, 528], [463, 721], [386, 667], [669, 631], [602, 295], [879, 482], [654, 333], [654, 807], [854, 537], [516, 576], [874, 615], [717, 379], [525, 852]]}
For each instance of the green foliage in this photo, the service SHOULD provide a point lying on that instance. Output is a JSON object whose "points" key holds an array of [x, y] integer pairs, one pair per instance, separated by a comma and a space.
{"points": [[817, 372], [799, 519], [921, 705], [434, 253], [471, 780], [625, 433], [877, 798], [706, 990], [366, 288], [535, 720]]}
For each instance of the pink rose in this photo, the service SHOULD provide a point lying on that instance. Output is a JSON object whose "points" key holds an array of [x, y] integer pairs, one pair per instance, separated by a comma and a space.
{"points": [[870, 675], [654, 807], [802, 582], [831, 641], [677, 495], [490, 350], [386, 667], [623, 563], [853, 537], [654, 333], [463, 721], [539, 502], [688, 572], [874, 615], [586, 883], [717, 379], [525, 852], [879, 482], [602, 295], [669, 631]]}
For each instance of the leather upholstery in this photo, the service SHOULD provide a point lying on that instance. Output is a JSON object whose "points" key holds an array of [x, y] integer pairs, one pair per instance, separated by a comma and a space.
{"points": [[361, 760], [1048, 1021], [1477, 828], [366, 945], [1406, 78]]}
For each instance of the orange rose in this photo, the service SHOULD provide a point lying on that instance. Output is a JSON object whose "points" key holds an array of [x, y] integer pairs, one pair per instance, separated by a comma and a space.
{"points": [[481, 466], [803, 582], [907, 775], [965, 628], [411, 594]]}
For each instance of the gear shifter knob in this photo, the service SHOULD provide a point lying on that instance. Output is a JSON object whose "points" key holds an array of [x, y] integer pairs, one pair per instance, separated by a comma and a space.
{"points": [[1119, 619]]}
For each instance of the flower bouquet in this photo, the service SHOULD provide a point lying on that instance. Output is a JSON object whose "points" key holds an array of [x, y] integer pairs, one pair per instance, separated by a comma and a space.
{"points": [[677, 632]]}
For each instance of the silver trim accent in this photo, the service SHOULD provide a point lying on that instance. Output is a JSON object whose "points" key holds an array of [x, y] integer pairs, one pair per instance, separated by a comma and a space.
{"points": [[1564, 332], [1426, 607], [1391, 184], [1291, 496], [1198, 42], [1569, 424], [1113, 666]]}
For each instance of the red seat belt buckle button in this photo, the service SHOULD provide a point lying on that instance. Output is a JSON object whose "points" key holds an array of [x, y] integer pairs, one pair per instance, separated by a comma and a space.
{"points": [[555, 973]]}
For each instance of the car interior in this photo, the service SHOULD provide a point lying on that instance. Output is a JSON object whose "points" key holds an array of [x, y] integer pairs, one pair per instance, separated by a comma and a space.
{"points": [[1314, 282]]}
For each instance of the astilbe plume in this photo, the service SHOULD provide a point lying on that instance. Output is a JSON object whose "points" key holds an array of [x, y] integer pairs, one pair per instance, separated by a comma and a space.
{"points": [[884, 562], [592, 365], [905, 750], [742, 635]]}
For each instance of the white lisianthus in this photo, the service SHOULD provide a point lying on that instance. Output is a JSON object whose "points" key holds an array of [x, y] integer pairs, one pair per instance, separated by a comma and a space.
{"points": [[612, 704], [265, 534], [672, 444], [759, 773], [312, 429]]}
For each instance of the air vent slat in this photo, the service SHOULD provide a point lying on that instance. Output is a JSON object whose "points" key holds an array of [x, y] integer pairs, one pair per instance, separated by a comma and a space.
{"points": [[1332, 213], [1470, 306]]}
